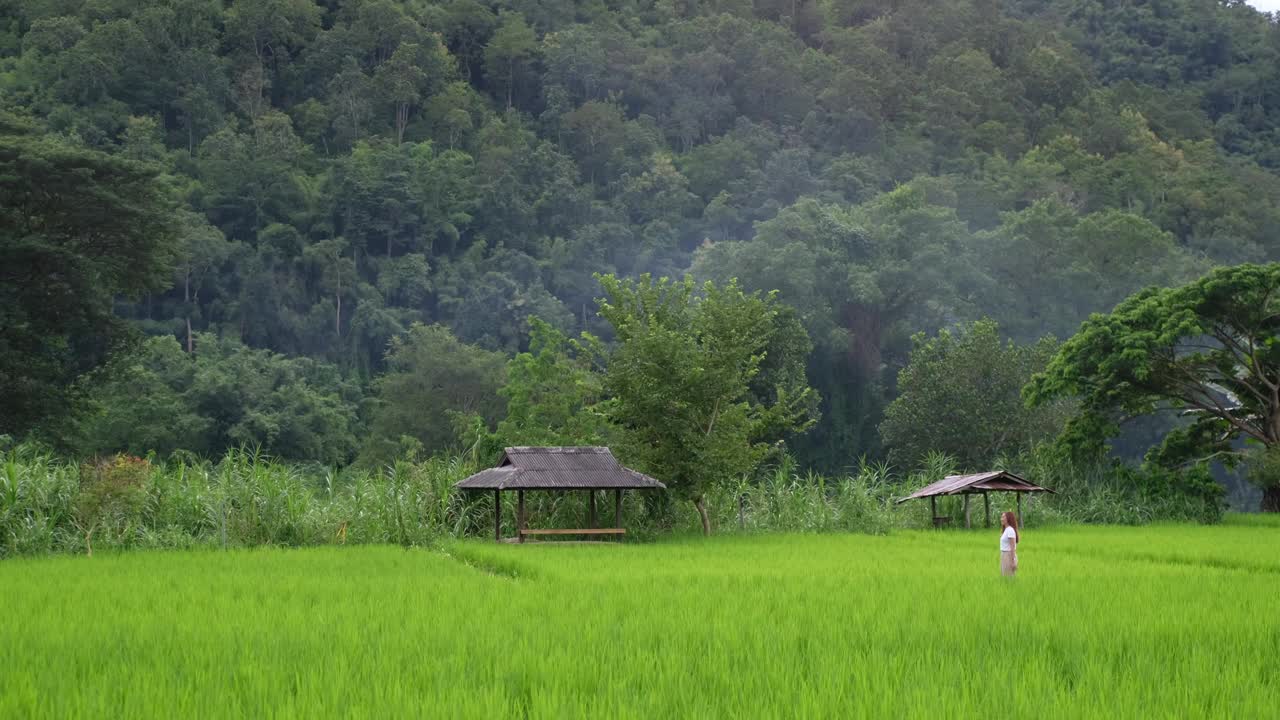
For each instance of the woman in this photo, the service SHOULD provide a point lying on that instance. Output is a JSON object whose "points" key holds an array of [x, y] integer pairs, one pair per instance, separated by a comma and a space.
{"points": [[1009, 544]]}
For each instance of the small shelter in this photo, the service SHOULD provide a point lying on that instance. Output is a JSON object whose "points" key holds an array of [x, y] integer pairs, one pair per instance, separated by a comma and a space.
{"points": [[558, 469], [967, 485]]}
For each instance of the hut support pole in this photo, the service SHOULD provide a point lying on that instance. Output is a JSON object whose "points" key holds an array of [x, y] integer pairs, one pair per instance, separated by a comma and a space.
{"points": [[593, 508], [1019, 510], [933, 510], [497, 515], [520, 514], [617, 508], [966, 510], [986, 506]]}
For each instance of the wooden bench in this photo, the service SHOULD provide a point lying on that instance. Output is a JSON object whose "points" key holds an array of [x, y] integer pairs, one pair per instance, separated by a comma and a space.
{"points": [[582, 531], [941, 521]]}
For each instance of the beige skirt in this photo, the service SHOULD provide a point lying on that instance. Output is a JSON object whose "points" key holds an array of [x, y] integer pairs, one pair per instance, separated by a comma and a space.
{"points": [[1008, 562]]}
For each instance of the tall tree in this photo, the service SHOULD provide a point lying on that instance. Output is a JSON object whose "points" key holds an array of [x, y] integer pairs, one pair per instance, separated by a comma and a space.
{"points": [[337, 274], [1209, 350], [411, 74], [201, 251], [553, 395], [432, 383], [271, 32], [681, 381], [961, 394], [77, 227], [860, 277], [248, 178], [512, 46]]}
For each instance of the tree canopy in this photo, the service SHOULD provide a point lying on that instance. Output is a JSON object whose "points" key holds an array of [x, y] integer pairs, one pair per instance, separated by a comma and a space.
{"points": [[961, 394], [77, 228], [313, 180], [1209, 350], [683, 380]]}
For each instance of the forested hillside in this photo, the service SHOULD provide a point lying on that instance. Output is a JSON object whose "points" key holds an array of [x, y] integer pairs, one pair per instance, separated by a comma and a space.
{"points": [[335, 172]]}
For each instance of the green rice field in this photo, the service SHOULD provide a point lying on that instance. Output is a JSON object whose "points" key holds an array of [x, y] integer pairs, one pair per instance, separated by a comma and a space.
{"points": [[1165, 621]]}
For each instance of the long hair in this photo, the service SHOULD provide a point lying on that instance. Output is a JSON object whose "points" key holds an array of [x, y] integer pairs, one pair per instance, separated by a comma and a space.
{"points": [[1008, 519]]}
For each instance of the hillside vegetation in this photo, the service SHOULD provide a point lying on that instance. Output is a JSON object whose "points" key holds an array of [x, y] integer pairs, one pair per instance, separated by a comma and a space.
{"points": [[325, 175]]}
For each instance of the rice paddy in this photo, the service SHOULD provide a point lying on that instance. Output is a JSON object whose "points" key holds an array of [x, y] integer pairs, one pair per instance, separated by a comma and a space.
{"points": [[1164, 621]]}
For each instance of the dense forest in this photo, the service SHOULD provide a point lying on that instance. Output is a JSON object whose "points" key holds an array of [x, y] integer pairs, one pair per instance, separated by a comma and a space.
{"points": [[341, 216]]}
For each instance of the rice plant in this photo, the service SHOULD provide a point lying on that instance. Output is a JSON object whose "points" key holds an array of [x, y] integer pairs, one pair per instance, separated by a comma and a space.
{"points": [[1102, 622]]}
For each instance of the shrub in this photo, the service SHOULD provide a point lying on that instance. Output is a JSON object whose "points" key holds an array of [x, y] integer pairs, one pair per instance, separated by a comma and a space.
{"points": [[112, 494]]}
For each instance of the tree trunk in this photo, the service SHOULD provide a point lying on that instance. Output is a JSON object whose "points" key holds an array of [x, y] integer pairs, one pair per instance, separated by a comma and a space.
{"points": [[186, 298], [88, 542], [1271, 499], [701, 503], [337, 316], [402, 121]]}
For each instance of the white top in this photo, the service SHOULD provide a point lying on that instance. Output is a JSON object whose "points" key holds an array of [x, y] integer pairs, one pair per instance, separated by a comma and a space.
{"points": [[1007, 540]]}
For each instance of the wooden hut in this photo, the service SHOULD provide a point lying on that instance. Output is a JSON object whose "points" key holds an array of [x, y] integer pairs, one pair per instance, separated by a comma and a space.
{"points": [[978, 483], [558, 469]]}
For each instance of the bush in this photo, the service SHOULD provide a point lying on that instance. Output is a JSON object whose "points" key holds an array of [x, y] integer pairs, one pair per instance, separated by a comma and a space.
{"points": [[111, 496], [1264, 472], [1106, 491]]}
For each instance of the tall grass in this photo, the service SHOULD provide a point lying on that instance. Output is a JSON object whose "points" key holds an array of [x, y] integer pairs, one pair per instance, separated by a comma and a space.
{"points": [[246, 499], [242, 499]]}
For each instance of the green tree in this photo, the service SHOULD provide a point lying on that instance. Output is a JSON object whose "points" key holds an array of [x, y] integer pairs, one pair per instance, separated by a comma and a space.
{"points": [[961, 394], [432, 381], [224, 395], [1209, 350], [337, 273], [202, 251], [77, 227], [861, 278], [271, 31], [248, 178], [411, 74], [512, 46], [554, 395], [1053, 267], [680, 382], [467, 25]]}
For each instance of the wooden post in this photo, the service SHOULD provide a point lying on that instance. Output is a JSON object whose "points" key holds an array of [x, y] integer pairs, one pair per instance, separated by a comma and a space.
{"points": [[497, 515], [966, 510], [593, 508], [520, 514], [742, 517], [933, 510], [617, 508], [986, 506], [1019, 510]]}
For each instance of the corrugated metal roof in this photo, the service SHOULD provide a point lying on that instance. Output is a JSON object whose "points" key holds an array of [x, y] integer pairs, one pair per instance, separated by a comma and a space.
{"points": [[561, 458], [993, 480], [559, 468]]}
